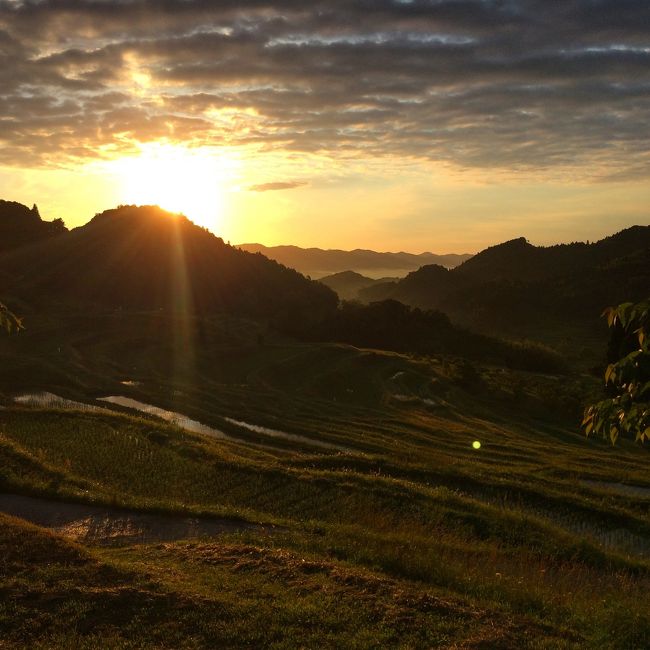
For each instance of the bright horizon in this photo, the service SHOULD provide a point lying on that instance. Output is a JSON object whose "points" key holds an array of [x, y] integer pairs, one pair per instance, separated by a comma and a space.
{"points": [[470, 238], [408, 127]]}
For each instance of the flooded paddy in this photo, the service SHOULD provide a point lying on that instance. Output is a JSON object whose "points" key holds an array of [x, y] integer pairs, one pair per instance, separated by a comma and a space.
{"points": [[50, 400], [115, 526]]}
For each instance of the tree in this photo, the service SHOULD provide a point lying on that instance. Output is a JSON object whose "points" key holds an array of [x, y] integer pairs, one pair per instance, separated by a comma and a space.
{"points": [[627, 378], [8, 321]]}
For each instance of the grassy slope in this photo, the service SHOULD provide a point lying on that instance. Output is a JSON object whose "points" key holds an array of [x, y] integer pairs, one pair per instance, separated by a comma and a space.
{"points": [[415, 537], [496, 553], [233, 594]]}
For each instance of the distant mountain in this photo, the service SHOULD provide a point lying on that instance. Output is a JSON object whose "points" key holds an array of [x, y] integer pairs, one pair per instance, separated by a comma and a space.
{"points": [[318, 263], [347, 284], [411, 290], [514, 286], [146, 258], [20, 225]]}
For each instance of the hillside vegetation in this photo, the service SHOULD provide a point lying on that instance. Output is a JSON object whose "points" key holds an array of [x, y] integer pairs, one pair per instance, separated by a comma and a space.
{"points": [[146, 258], [361, 476]]}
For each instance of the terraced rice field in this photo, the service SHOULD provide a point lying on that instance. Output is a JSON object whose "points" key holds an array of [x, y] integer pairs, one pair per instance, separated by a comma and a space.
{"points": [[371, 521]]}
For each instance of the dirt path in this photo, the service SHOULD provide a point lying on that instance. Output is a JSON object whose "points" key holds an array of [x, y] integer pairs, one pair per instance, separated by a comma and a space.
{"points": [[114, 526]]}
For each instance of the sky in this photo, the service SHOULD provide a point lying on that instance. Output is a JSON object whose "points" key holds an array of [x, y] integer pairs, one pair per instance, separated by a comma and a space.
{"points": [[440, 125]]}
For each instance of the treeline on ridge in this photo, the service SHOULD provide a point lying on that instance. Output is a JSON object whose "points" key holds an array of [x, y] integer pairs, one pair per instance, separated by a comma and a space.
{"points": [[20, 225], [391, 325]]}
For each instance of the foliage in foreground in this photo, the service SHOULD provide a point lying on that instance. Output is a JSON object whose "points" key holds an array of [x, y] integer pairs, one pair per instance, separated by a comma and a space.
{"points": [[627, 378], [8, 321]]}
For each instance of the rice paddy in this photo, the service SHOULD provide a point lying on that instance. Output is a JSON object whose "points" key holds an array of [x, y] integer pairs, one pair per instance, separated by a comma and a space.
{"points": [[396, 530]]}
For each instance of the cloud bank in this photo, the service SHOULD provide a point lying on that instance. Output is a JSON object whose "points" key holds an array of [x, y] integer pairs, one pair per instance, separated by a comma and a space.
{"points": [[277, 185], [492, 84]]}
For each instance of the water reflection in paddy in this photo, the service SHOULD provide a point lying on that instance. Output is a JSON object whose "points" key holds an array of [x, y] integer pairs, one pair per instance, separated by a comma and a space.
{"points": [[274, 433], [193, 425], [50, 400], [169, 416]]}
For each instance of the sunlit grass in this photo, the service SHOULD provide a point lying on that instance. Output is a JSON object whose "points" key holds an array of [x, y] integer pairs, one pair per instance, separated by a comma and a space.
{"points": [[425, 539]]}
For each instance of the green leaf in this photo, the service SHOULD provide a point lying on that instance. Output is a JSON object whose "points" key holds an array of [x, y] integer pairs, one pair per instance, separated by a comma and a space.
{"points": [[625, 313], [9, 321], [610, 313]]}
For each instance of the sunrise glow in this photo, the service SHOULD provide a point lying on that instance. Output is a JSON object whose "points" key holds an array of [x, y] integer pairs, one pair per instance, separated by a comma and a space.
{"points": [[194, 182], [392, 127]]}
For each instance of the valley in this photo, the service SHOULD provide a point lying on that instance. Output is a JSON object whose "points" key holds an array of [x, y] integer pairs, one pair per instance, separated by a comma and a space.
{"points": [[218, 477]]}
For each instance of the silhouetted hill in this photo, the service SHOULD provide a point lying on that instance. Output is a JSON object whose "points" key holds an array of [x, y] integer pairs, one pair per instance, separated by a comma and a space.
{"points": [[146, 258], [317, 262], [391, 325], [517, 259], [437, 280], [515, 285], [377, 292], [347, 284], [20, 226]]}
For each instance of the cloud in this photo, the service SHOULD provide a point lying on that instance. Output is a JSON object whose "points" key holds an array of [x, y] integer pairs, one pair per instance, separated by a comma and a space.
{"points": [[517, 84], [268, 187]]}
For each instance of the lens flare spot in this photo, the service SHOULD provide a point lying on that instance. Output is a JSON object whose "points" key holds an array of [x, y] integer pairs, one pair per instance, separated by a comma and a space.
{"points": [[476, 444]]}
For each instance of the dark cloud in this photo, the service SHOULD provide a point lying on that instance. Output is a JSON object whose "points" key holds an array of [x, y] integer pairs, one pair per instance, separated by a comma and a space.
{"points": [[278, 185], [517, 84]]}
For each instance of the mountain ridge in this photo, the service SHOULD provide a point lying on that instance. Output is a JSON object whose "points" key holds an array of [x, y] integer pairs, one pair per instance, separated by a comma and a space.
{"points": [[515, 284], [145, 258], [319, 262]]}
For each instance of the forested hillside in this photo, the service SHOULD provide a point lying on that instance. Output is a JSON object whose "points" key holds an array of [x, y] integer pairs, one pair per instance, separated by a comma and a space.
{"points": [[516, 286], [146, 258]]}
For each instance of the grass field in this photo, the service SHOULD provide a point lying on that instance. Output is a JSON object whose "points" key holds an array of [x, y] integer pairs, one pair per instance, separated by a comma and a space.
{"points": [[411, 538]]}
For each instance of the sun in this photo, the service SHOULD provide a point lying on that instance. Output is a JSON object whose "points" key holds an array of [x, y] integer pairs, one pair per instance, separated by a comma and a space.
{"points": [[179, 179]]}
